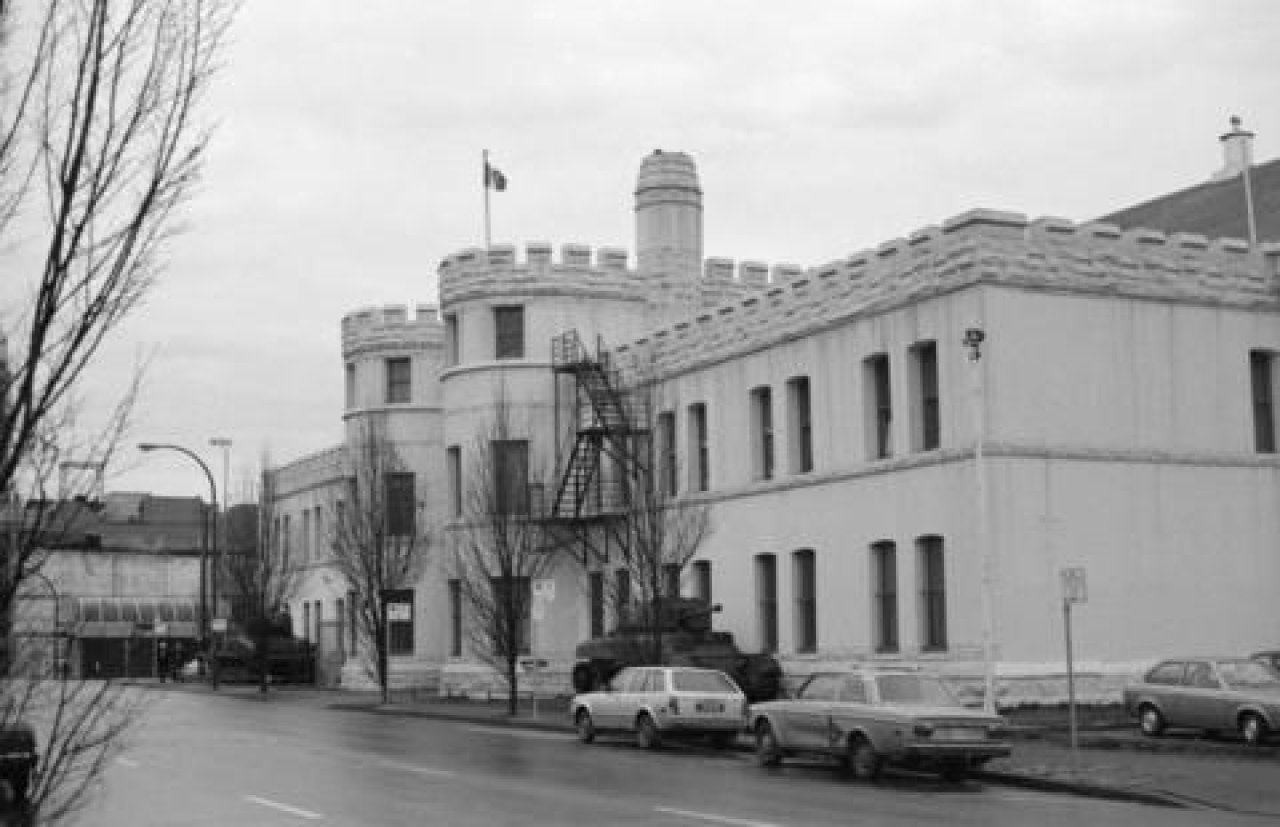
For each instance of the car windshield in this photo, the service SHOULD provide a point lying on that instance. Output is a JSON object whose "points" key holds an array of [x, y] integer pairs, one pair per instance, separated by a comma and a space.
{"points": [[916, 690], [702, 682], [1248, 674]]}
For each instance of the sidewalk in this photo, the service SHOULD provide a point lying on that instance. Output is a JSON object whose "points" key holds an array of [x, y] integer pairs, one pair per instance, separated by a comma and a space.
{"points": [[1111, 763]]}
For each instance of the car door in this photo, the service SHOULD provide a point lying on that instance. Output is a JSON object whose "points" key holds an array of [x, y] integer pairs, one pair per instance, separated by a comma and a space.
{"points": [[607, 707], [1200, 702], [810, 714]]}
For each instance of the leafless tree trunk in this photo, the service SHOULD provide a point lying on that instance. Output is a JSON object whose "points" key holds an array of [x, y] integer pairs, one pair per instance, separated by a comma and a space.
{"points": [[99, 146], [500, 548], [377, 543], [262, 577]]}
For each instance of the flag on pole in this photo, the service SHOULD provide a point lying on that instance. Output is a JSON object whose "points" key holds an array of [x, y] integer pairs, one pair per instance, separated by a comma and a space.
{"points": [[494, 178]]}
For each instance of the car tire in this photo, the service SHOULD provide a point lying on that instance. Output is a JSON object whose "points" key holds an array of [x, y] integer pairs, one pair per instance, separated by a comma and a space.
{"points": [[647, 735], [864, 762], [768, 752], [1150, 721], [1253, 729], [585, 726]]}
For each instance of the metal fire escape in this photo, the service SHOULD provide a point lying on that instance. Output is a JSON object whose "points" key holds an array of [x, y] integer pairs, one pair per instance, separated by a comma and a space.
{"points": [[607, 437]]}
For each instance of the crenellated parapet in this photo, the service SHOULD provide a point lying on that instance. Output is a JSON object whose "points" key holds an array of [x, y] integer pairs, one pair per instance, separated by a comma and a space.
{"points": [[391, 328], [980, 246], [580, 271]]}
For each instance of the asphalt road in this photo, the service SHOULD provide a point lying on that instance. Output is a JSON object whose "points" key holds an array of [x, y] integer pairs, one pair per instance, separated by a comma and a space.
{"points": [[207, 760]]}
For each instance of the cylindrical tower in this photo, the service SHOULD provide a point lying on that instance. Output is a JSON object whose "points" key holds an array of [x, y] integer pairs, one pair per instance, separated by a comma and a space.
{"points": [[669, 216]]}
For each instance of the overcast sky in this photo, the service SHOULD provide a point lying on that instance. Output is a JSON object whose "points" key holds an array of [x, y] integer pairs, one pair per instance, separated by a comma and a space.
{"points": [[346, 163]]}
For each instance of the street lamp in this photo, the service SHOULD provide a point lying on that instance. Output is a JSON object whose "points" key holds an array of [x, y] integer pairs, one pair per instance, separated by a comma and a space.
{"points": [[225, 444], [205, 545]]}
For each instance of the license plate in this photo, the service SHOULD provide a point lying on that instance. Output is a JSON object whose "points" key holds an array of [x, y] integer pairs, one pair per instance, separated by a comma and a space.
{"points": [[709, 707], [958, 733]]}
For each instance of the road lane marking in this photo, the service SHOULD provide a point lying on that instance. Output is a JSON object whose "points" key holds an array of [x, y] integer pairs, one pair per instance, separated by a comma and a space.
{"points": [[414, 768], [284, 808], [718, 819], [128, 762], [522, 733]]}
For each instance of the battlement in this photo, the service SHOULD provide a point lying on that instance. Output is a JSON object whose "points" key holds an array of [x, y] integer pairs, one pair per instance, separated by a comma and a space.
{"points": [[391, 328], [985, 246]]}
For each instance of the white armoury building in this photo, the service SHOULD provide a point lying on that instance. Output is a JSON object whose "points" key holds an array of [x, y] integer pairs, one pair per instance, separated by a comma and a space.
{"points": [[903, 450]]}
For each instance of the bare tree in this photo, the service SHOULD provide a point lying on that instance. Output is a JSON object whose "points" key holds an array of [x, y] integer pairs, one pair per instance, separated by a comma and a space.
{"points": [[500, 548], [378, 546], [262, 577], [99, 145]]}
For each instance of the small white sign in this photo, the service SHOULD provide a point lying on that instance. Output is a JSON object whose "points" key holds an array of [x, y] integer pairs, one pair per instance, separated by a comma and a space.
{"points": [[544, 589], [1075, 589], [399, 611], [218, 624]]}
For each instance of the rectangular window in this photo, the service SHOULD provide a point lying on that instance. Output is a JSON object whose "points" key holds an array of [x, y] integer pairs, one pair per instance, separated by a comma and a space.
{"points": [[1261, 373], [800, 425], [699, 456], [804, 570], [879, 405], [318, 619], [399, 609], [667, 454], [340, 612], [510, 476], [350, 385], [517, 605], [508, 324], [306, 534], [398, 383], [450, 339], [355, 619], [926, 423], [884, 579], [306, 619], [933, 594], [622, 593], [453, 461], [596, 587], [286, 535], [702, 580], [400, 504], [767, 600], [762, 432], [339, 523], [455, 618]]}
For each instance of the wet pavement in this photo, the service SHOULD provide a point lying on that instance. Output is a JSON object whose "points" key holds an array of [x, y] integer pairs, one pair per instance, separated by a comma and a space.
{"points": [[1208, 775]]}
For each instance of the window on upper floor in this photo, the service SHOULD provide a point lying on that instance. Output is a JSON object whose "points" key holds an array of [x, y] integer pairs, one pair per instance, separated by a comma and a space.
{"points": [[1262, 379], [702, 580], [671, 579], [805, 585], [879, 405], [622, 593], [400, 503], [926, 422], [799, 425], [884, 580], [398, 380], [508, 325], [699, 454], [451, 355], [767, 601], [933, 593], [762, 433], [667, 465], [453, 463], [307, 552], [510, 475], [596, 597], [350, 385], [455, 618]]}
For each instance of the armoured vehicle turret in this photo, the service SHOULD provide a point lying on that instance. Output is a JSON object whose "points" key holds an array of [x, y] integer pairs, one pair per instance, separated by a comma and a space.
{"points": [[683, 628]]}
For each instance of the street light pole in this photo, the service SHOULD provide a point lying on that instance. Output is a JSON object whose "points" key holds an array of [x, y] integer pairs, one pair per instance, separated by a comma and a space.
{"points": [[225, 444], [209, 537]]}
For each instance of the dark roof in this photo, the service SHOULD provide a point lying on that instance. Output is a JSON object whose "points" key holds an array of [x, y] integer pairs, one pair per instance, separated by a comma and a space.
{"points": [[1215, 209]]}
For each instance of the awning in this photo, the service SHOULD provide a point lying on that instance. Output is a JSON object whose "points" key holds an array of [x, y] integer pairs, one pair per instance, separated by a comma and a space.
{"points": [[127, 629]]}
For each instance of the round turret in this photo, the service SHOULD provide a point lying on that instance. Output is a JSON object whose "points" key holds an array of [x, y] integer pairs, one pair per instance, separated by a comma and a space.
{"points": [[669, 215]]}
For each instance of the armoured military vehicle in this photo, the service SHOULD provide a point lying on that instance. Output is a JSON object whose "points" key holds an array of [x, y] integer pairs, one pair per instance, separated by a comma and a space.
{"points": [[684, 625]]}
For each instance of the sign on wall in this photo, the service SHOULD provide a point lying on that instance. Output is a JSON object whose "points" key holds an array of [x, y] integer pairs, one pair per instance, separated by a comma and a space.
{"points": [[1074, 587]]}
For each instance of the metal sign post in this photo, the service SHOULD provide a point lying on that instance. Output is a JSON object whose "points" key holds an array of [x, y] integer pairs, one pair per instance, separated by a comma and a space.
{"points": [[1074, 590]]}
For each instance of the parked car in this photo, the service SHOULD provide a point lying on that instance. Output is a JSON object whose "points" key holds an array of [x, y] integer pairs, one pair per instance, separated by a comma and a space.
{"points": [[1215, 694], [18, 759], [657, 702], [869, 718], [1271, 658]]}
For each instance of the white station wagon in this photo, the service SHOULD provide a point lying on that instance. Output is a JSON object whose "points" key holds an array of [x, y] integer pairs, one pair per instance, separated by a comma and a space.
{"points": [[657, 702]]}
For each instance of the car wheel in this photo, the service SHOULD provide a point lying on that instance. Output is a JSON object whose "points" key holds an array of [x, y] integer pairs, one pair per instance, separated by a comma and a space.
{"points": [[585, 726], [1253, 728], [864, 762], [1150, 721], [768, 753], [647, 735]]}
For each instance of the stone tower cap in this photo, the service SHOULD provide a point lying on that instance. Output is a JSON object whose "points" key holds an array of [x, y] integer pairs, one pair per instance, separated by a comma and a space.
{"points": [[668, 170]]}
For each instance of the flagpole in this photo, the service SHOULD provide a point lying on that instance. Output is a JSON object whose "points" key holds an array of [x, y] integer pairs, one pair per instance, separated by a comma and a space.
{"points": [[486, 199]]}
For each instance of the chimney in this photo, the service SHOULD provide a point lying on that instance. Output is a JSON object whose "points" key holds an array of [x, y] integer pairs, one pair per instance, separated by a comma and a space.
{"points": [[1237, 151]]}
